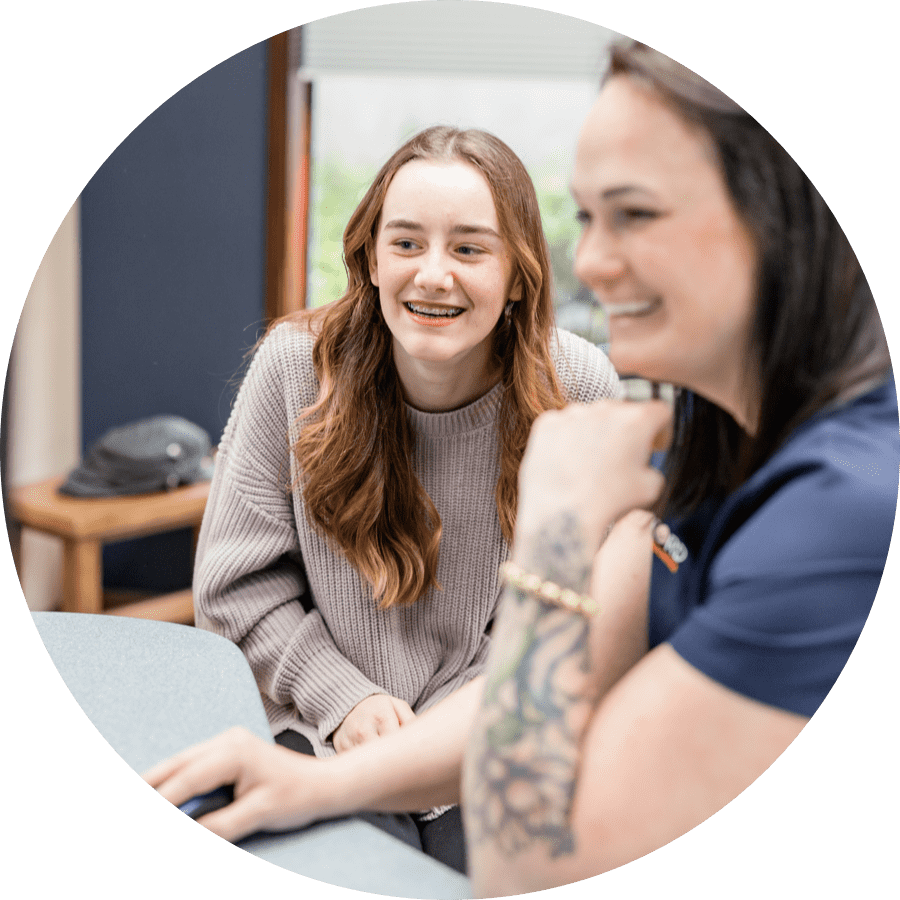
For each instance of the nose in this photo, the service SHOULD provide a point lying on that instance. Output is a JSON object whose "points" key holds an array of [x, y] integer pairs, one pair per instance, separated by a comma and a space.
{"points": [[434, 275], [599, 261]]}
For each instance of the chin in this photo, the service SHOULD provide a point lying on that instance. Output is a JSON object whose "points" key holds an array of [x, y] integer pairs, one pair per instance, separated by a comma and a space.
{"points": [[627, 364], [637, 365], [424, 353]]}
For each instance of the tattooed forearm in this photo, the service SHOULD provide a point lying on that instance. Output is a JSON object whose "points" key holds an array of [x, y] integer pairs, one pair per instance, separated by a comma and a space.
{"points": [[559, 553], [522, 768]]}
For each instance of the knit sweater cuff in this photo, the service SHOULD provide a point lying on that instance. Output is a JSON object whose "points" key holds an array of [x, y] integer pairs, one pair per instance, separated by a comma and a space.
{"points": [[322, 684]]}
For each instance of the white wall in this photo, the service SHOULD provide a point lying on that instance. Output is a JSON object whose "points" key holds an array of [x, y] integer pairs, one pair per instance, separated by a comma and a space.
{"points": [[45, 398]]}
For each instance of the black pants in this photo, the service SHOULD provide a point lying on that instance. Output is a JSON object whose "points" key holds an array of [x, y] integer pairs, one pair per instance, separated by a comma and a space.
{"points": [[441, 838]]}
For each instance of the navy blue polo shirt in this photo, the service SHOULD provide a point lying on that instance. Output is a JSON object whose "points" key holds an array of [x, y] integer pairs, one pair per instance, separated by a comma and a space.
{"points": [[782, 574]]}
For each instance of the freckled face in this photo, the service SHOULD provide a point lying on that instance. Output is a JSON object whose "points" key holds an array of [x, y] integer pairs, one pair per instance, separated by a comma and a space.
{"points": [[442, 268], [662, 246]]}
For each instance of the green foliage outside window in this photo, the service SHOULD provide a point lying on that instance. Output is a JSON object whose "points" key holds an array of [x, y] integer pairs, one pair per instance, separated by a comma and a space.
{"points": [[337, 188]]}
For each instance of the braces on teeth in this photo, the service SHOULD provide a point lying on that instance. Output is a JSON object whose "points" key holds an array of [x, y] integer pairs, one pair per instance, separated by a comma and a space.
{"points": [[446, 313]]}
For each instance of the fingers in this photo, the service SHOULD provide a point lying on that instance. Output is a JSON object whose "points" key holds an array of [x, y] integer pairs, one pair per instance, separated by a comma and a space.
{"points": [[404, 711], [591, 462], [200, 768], [634, 523], [651, 421], [341, 740], [374, 717], [647, 421], [273, 787], [157, 774], [654, 484], [354, 734], [629, 539], [662, 437], [620, 579], [647, 418], [240, 818]]}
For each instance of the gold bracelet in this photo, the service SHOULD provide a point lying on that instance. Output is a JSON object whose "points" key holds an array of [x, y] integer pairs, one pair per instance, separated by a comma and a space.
{"points": [[517, 577]]}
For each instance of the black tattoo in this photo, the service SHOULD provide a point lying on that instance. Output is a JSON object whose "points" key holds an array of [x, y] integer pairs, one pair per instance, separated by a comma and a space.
{"points": [[536, 706], [559, 554]]}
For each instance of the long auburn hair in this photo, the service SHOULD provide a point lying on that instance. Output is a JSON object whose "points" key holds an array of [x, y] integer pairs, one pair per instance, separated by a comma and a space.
{"points": [[354, 447], [816, 338]]}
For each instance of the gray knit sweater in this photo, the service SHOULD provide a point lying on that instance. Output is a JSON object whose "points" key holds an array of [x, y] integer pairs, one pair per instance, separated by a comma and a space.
{"points": [[258, 555]]}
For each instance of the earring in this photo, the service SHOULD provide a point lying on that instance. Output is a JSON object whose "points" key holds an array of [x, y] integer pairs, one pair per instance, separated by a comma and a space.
{"points": [[508, 309]]}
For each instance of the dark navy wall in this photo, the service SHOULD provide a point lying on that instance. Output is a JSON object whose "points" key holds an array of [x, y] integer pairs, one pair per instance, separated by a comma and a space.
{"points": [[173, 275]]}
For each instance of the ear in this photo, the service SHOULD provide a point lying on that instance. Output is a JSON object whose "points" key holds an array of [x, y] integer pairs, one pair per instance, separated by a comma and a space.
{"points": [[516, 292], [373, 265]]}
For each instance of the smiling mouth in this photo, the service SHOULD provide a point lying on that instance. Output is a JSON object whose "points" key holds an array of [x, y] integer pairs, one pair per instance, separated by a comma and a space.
{"points": [[434, 312], [636, 308]]}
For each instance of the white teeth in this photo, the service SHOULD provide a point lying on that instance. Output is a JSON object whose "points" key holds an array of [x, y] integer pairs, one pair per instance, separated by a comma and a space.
{"points": [[436, 312], [628, 309]]}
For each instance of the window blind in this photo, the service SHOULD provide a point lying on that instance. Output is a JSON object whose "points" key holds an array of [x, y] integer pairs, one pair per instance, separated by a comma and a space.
{"points": [[455, 37]]}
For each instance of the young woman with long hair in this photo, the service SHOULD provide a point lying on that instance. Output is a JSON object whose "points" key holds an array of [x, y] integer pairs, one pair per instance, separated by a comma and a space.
{"points": [[365, 488]]}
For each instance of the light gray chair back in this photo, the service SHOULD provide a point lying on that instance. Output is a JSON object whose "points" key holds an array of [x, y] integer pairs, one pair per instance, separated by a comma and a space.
{"points": [[152, 688]]}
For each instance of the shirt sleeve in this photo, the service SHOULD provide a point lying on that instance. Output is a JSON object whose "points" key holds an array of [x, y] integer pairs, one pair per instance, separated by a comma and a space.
{"points": [[249, 581], [584, 369], [788, 593]]}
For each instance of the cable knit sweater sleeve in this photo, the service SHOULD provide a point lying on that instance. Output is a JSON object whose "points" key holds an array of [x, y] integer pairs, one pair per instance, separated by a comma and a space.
{"points": [[583, 368], [249, 577]]}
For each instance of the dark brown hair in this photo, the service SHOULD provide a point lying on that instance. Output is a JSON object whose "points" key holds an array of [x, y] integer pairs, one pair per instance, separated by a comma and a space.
{"points": [[817, 336], [354, 449]]}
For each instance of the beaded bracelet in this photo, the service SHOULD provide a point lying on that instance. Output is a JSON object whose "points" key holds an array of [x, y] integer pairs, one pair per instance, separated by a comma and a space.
{"points": [[524, 581]]}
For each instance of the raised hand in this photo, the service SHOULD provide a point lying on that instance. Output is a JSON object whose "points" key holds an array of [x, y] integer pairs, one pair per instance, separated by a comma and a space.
{"points": [[589, 464]]}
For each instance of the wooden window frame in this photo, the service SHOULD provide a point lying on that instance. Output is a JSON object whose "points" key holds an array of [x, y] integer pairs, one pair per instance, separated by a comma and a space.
{"points": [[289, 165]]}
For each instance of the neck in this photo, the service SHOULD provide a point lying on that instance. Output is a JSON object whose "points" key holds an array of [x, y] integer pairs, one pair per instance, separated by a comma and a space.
{"points": [[442, 387], [737, 393], [740, 409]]}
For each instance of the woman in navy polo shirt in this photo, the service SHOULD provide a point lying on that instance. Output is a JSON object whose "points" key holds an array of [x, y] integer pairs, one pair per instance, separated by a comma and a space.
{"points": [[722, 271]]}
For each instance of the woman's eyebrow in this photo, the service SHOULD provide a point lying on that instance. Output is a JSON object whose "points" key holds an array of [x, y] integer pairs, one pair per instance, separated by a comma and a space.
{"points": [[474, 229], [405, 224], [614, 193], [409, 225]]}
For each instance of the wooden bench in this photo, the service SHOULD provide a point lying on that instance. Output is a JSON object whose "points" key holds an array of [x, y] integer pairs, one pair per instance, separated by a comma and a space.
{"points": [[85, 524]]}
